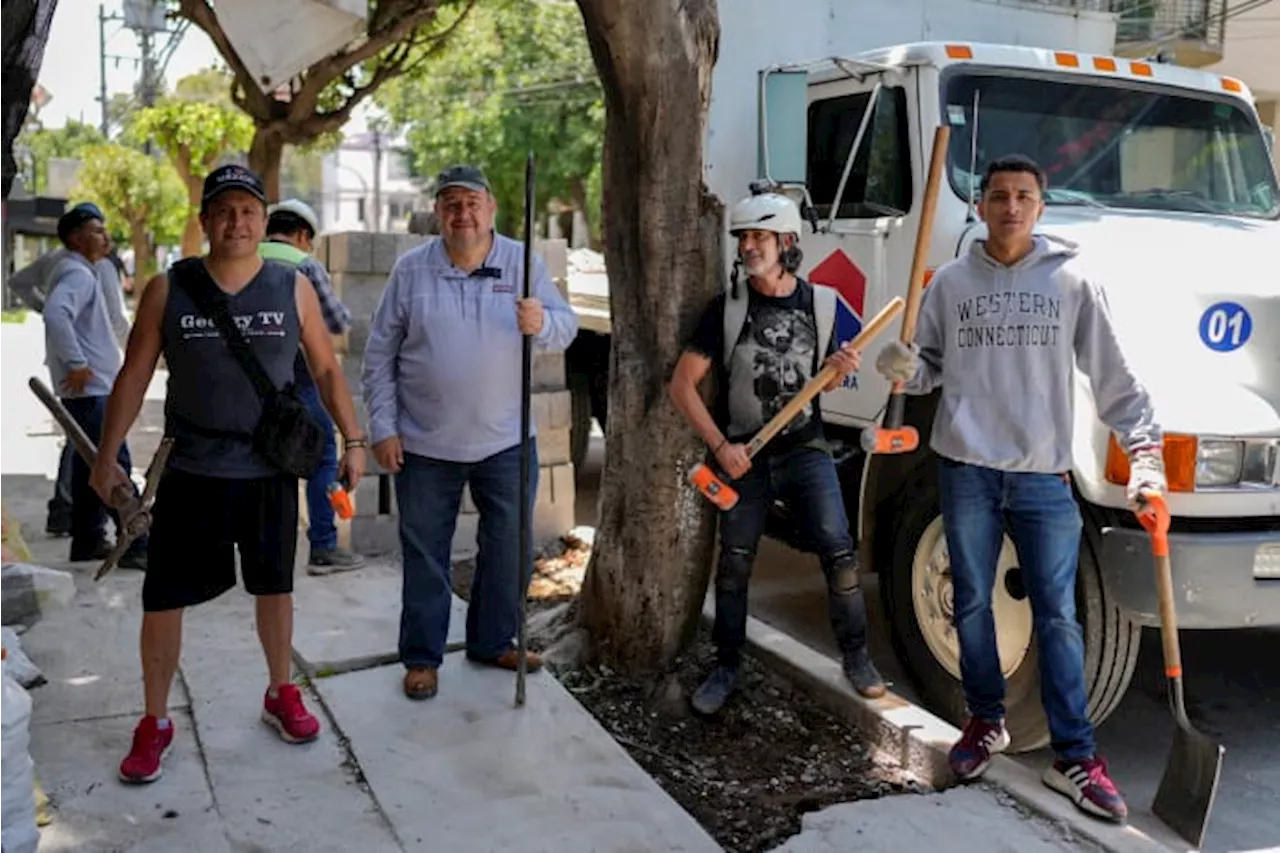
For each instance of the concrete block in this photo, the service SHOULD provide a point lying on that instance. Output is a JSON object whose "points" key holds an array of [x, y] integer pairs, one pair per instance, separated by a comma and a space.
{"points": [[555, 254], [357, 336], [548, 371], [385, 246], [544, 777], [553, 448], [320, 250], [552, 409], [351, 251], [562, 483], [366, 495], [349, 621], [374, 535], [405, 242], [360, 292]]}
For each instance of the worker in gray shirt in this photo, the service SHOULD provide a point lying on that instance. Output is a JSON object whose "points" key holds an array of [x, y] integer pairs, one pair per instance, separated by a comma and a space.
{"points": [[442, 383], [84, 357], [31, 284]]}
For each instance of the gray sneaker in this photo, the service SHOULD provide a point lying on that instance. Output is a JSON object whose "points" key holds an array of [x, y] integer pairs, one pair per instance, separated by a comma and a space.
{"points": [[719, 686], [862, 674], [332, 560]]}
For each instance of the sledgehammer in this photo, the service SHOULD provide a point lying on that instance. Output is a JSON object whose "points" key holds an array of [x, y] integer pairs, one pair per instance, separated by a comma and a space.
{"points": [[134, 513], [893, 436], [724, 496]]}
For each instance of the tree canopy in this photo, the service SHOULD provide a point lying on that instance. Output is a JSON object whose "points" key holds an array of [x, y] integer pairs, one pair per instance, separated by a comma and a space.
{"points": [[43, 144], [516, 76]]}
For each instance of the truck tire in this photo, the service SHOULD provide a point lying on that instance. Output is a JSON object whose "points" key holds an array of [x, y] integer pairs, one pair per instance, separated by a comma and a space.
{"points": [[918, 603], [580, 419]]}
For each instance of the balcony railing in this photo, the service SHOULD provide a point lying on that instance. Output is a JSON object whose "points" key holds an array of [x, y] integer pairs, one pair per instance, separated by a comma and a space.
{"points": [[1167, 21]]}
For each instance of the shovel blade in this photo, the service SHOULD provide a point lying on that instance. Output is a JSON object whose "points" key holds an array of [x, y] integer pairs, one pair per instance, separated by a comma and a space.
{"points": [[1189, 784]]}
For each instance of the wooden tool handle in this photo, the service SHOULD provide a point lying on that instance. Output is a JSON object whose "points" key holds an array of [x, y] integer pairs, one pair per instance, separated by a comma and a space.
{"points": [[924, 233], [1168, 618], [817, 383]]}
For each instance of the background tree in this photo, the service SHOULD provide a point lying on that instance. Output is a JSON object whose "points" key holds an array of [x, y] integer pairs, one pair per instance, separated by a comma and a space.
{"points": [[516, 76], [321, 99], [24, 30], [663, 243], [43, 144], [140, 196], [195, 135]]}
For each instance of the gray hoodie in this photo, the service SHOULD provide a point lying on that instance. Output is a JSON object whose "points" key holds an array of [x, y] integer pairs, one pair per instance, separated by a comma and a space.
{"points": [[77, 328], [1001, 341]]}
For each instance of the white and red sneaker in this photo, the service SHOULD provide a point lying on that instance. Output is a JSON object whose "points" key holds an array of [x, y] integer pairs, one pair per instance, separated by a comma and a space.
{"points": [[980, 742], [285, 713], [150, 746], [1087, 784]]}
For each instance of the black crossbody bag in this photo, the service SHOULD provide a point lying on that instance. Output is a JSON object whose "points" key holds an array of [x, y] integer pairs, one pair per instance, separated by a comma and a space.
{"points": [[286, 435]]}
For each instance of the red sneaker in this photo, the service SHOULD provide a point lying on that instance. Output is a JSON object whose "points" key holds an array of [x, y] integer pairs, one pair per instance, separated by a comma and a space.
{"points": [[288, 716], [150, 746]]}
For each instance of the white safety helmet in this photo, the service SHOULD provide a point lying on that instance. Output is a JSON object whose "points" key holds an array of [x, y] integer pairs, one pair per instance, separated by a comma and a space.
{"points": [[300, 209], [765, 212]]}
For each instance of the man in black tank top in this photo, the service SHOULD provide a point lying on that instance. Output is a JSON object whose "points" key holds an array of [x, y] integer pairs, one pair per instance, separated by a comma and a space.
{"points": [[218, 494]]}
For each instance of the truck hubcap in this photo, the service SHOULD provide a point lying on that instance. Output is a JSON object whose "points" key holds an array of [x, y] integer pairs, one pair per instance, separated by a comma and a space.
{"points": [[933, 596]]}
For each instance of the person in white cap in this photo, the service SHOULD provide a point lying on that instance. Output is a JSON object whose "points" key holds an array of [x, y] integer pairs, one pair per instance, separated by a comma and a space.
{"points": [[292, 227], [765, 345]]}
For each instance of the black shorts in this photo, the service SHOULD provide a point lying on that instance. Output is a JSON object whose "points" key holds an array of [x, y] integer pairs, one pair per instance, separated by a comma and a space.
{"points": [[196, 524]]}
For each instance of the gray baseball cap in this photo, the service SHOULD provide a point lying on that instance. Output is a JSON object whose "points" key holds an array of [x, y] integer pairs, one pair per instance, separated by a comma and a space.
{"points": [[468, 177]]}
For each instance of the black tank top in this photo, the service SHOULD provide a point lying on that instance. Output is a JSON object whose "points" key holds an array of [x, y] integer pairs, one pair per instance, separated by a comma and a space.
{"points": [[211, 407]]}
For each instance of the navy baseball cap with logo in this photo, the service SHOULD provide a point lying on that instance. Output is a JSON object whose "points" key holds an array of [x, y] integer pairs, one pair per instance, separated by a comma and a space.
{"points": [[77, 216], [232, 177], [467, 177]]}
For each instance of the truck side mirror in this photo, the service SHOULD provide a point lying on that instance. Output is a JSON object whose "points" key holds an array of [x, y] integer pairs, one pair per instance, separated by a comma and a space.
{"points": [[782, 145]]}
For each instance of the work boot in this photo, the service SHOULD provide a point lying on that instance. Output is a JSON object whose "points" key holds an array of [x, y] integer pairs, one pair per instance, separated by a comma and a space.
{"points": [[328, 561], [716, 690], [421, 683], [510, 659], [981, 740], [99, 550], [58, 523], [1087, 784], [862, 673]]}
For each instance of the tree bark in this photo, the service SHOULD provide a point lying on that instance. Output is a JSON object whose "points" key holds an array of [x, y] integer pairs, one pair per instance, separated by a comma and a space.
{"points": [[25, 31], [143, 258], [652, 556], [265, 154]]}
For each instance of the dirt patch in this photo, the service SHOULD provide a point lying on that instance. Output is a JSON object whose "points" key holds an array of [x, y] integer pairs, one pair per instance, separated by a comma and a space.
{"points": [[747, 775]]}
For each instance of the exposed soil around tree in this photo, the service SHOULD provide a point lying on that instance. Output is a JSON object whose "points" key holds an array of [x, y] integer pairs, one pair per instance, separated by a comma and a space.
{"points": [[748, 774]]}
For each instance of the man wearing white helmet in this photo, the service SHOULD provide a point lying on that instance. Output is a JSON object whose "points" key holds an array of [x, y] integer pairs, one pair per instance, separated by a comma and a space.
{"points": [[291, 229], [765, 342]]}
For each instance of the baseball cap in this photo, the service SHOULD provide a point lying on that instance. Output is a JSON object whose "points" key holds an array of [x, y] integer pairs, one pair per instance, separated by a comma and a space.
{"points": [[232, 177], [299, 208], [77, 216], [468, 177]]}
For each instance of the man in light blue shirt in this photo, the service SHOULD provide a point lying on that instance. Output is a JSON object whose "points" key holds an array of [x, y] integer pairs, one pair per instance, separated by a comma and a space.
{"points": [[84, 358], [442, 383]]}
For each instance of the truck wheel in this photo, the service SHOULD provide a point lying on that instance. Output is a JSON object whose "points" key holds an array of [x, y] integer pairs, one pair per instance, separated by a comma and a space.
{"points": [[580, 423], [919, 603]]}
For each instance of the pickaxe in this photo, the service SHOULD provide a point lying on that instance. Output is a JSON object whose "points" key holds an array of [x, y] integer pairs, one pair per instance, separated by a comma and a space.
{"points": [[893, 436], [134, 512], [705, 480]]}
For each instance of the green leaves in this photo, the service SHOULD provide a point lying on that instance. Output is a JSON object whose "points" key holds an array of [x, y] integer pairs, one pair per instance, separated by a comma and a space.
{"points": [[195, 134], [516, 76], [134, 191]]}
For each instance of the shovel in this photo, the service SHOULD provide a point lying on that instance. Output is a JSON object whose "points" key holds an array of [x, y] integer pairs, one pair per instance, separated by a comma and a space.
{"points": [[525, 572], [1194, 766]]}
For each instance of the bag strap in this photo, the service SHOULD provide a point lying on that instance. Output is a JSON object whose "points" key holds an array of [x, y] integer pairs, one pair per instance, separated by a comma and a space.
{"points": [[194, 278]]}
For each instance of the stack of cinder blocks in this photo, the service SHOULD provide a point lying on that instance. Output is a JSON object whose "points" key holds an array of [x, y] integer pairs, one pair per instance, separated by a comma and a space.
{"points": [[359, 263]]}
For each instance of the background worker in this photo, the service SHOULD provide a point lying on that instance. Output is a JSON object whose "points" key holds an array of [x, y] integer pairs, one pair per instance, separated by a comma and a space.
{"points": [[442, 383], [761, 365], [1003, 439], [291, 229]]}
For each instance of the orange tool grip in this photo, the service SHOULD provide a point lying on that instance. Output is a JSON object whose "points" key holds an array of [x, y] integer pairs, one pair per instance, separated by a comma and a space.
{"points": [[340, 500], [1154, 518]]}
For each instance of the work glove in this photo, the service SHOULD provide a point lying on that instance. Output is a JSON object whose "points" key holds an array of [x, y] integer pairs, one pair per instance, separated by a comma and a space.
{"points": [[898, 362], [1146, 474]]}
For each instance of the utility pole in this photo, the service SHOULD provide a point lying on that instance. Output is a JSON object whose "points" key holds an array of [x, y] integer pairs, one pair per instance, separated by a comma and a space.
{"points": [[377, 180], [102, 67]]}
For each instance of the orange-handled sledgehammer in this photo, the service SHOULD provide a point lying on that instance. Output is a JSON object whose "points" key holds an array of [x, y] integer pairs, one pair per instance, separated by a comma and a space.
{"points": [[893, 436], [720, 493]]}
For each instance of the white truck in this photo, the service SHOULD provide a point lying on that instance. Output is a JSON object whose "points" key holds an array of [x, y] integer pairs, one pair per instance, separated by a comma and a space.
{"points": [[1165, 178]]}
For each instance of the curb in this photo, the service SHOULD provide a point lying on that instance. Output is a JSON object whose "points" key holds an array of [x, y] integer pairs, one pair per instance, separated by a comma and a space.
{"points": [[918, 742]]}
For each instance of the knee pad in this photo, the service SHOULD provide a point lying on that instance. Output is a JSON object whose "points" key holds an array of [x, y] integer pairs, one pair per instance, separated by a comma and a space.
{"points": [[841, 570], [734, 569]]}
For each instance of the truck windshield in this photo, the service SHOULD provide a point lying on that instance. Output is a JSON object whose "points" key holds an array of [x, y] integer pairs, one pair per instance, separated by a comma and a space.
{"points": [[1111, 146]]}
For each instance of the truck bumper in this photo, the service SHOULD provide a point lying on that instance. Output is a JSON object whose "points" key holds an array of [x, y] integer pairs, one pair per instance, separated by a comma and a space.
{"points": [[1220, 580]]}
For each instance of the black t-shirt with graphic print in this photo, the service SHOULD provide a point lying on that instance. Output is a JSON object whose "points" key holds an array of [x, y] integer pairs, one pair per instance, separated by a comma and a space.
{"points": [[773, 359]]}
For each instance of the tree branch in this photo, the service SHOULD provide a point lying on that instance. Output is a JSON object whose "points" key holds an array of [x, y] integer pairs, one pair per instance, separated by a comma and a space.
{"points": [[254, 101]]}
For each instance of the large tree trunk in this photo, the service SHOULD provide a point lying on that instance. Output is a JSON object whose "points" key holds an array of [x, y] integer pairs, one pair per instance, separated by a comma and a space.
{"points": [[25, 30], [265, 155], [143, 258], [652, 557], [192, 231]]}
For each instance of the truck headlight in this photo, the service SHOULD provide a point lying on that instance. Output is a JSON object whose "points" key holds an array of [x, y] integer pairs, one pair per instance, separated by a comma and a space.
{"points": [[1219, 463]]}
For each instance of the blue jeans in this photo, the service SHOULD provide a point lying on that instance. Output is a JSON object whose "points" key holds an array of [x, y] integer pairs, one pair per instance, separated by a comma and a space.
{"points": [[806, 480], [428, 497], [321, 530], [88, 513], [978, 505]]}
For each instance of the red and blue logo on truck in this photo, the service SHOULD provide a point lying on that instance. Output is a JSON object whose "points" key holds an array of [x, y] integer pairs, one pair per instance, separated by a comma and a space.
{"points": [[838, 271]]}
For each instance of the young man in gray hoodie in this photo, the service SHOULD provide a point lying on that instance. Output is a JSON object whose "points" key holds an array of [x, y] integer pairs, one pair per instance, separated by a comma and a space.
{"points": [[1000, 330]]}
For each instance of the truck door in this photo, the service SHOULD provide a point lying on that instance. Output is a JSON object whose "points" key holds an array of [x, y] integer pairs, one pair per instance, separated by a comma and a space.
{"points": [[867, 214]]}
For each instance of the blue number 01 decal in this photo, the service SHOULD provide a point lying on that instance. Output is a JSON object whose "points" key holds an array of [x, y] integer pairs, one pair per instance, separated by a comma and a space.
{"points": [[1225, 326]]}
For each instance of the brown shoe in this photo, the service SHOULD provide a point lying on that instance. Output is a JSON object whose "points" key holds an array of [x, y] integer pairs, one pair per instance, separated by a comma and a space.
{"points": [[420, 683], [510, 659]]}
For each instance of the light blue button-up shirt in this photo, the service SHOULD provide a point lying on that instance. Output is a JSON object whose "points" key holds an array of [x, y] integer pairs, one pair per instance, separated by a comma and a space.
{"points": [[442, 363]]}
